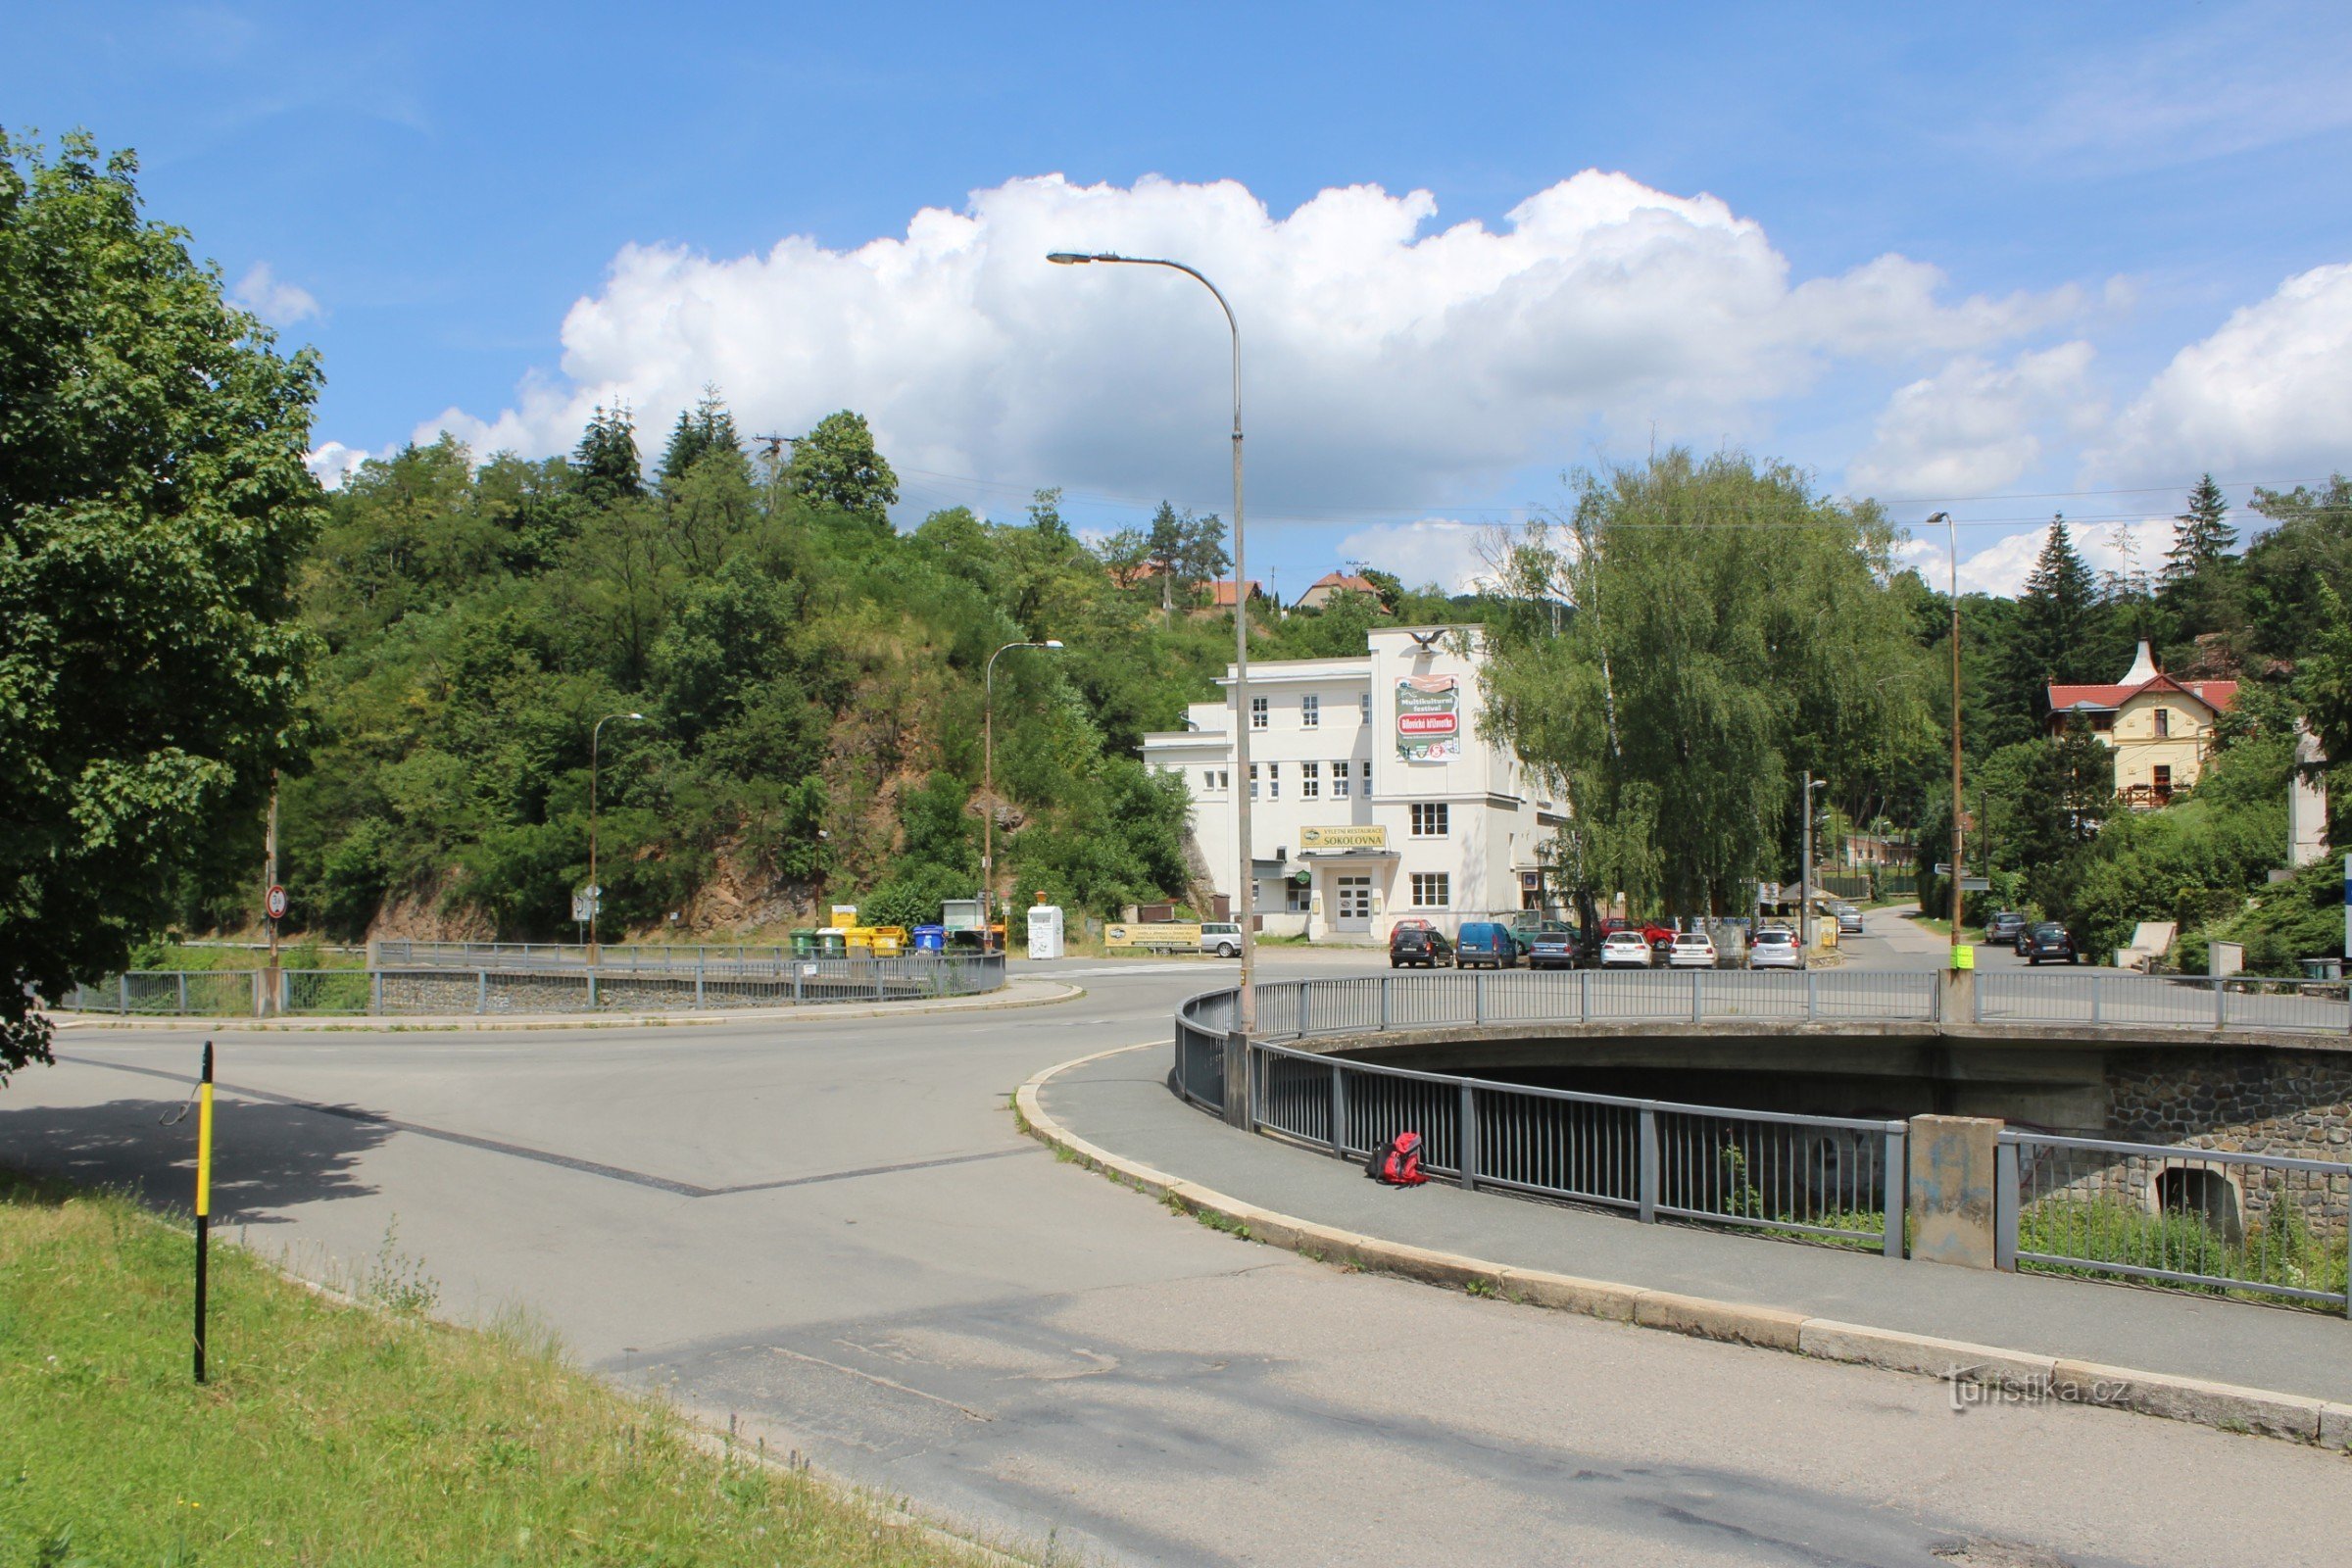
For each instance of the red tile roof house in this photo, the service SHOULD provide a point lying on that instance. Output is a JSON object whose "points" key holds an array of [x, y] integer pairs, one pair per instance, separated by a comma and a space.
{"points": [[1324, 589], [2160, 729]]}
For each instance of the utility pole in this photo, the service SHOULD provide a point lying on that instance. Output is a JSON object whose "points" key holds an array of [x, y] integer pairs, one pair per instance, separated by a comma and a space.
{"points": [[1959, 830], [271, 981], [1804, 883]]}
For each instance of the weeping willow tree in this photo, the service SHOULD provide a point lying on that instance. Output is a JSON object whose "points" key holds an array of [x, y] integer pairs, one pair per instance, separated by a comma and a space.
{"points": [[1677, 647]]}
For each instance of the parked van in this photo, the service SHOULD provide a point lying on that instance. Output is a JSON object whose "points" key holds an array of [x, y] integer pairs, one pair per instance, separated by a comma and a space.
{"points": [[1485, 943]]}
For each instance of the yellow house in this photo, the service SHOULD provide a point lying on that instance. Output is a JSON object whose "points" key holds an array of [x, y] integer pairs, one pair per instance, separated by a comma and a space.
{"points": [[2160, 729]]}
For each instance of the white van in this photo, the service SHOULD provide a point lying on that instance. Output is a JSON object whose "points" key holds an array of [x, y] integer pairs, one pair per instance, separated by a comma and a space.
{"points": [[1223, 938]]}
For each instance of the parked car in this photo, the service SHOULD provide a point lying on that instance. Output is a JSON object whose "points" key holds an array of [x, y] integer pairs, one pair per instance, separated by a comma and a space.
{"points": [[1624, 950], [1419, 942], [2006, 925], [1221, 937], [1773, 947], [2052, 942], [1484, 945], [1555, 947], [1692, 950], [1849, 919]]}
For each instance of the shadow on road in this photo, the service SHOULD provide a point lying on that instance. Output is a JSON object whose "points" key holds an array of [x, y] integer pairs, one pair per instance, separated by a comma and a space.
{"points": [[265, 1157]]}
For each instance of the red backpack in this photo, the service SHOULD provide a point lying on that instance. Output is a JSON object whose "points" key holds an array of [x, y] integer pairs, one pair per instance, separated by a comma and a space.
{"points": [[1399, 1163]]}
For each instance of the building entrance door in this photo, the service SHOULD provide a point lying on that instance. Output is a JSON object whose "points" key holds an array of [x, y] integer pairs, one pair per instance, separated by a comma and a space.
{"points": [[1353, 904]]}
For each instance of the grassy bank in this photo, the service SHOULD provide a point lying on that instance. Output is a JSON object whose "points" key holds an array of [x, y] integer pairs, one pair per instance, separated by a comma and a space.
{"points": [[335, 1435]]}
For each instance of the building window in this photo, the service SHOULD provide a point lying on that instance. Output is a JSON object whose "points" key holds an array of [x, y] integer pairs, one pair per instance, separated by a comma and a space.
{"points": [[2164, 722], [1339, 781], [1253, 781], [1273, 781], [1310, 780], [1215, 780], [1298, 898], [1310, 713], [1433, 890], [1257, 712], [1367, 706], [1428, 819]]}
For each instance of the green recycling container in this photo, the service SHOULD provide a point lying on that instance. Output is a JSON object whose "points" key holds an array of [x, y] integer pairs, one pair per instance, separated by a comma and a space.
{"points": [[803, 944]]}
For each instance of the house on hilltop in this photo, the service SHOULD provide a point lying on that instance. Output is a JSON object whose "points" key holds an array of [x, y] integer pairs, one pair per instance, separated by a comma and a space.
{"points": [[1324, 589], [2160, 729]]}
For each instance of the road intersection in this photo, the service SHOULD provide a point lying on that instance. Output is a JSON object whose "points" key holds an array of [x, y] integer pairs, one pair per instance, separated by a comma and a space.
{"points": [[833, 1230]]}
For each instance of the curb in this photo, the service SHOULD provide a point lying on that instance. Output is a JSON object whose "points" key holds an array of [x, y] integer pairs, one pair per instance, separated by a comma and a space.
{"points": [[2222, 1405], [453, 1023]]}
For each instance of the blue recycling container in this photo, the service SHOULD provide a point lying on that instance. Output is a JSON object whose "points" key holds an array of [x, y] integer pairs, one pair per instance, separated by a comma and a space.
{"points": [[930, 938]]}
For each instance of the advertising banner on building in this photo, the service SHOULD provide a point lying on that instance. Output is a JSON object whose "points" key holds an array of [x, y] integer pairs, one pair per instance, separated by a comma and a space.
{"points": [[1429, 718], [1349, 836]]}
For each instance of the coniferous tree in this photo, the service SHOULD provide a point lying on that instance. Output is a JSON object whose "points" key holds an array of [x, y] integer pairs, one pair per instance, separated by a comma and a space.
{"points": [[701, 430], [2202, 535], [2053, 614], [606, 460]]}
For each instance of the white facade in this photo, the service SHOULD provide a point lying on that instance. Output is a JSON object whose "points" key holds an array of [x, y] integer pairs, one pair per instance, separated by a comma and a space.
{"points": [[1376, 798]]}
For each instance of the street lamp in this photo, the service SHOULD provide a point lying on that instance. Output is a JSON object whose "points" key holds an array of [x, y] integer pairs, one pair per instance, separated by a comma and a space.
{"points": [[596, 892], [988, 748], [1952, 532], [1245, 888]]}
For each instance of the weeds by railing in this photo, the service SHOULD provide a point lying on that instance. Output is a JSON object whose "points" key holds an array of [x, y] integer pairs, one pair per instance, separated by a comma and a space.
{"points": [[2201, 1219]]}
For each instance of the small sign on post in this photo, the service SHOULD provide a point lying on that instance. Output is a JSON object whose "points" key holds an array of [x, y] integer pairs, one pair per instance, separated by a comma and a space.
{"points": [[275, 904]]}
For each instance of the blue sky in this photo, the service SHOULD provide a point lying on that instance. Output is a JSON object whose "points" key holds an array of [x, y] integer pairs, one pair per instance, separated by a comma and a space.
{"points": [[2013, 261]]}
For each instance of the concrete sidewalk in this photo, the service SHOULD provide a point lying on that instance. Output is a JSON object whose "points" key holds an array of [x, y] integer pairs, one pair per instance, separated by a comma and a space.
{"points": [[1121, 1104], [1019, 991]]}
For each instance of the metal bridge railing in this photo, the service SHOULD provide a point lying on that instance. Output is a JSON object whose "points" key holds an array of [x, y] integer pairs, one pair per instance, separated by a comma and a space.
{"points": [[1824, 1177], [2174, 1002], [2179, 1215], [532, 988]]}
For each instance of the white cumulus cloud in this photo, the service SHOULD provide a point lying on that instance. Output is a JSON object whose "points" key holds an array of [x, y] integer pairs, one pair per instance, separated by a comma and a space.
{"points": [[2270, 391], [271, 298], [1443, 551], [333, 463], [1387, 361], [1975, 425]]}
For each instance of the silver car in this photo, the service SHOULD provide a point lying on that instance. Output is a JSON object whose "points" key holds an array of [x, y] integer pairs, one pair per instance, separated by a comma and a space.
{"points": [[1849, 919], [1773, 947]]}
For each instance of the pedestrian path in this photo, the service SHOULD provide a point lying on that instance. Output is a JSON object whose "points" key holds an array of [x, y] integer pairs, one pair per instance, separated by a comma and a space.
{"points": [[1121, 1104]]}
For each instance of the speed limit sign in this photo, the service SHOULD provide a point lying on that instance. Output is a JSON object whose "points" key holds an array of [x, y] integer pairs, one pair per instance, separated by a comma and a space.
{"points": [[275, 904]]}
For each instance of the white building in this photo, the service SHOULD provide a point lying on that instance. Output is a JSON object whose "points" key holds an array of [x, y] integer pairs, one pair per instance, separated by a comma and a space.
{"points": [[1375, 797]]}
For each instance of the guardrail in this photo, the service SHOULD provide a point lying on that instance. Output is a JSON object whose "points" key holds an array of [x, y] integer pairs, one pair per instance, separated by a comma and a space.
{"points": [[526, 988], [2177, 1001], [1829, 1178], [2200, 1218]]}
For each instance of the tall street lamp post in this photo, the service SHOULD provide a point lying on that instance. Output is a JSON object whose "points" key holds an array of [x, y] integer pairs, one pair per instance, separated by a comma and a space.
{"points": [[1952, 533], [595, 892], [1247, 885], [1804, 902], [988, 749]]}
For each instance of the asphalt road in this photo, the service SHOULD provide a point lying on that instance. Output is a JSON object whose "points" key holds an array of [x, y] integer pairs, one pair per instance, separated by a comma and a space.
{"points": [[833, 1231]]}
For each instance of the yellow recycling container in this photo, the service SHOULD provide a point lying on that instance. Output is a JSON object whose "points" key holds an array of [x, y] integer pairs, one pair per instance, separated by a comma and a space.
{"points": [[1964, 956]]}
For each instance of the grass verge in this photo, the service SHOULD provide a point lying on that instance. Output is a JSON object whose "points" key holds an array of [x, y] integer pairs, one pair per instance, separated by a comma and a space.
{"points": [[341, 1435]]}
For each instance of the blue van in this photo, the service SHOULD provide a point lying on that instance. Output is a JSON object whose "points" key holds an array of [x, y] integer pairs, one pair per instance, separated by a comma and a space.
{"points": [[1485, 943]]}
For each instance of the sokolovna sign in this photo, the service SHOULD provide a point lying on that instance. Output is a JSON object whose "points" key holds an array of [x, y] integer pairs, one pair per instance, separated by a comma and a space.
{"points": [[1429, 720], [1364, 836]]}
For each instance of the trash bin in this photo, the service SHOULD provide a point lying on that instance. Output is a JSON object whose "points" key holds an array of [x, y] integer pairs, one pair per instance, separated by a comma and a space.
{"points": [[930, 939], [832, 943], [803, 944]]}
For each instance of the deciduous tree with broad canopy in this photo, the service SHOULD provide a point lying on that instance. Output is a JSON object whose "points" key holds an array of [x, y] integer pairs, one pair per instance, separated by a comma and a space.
{"points": [[153, 505]]}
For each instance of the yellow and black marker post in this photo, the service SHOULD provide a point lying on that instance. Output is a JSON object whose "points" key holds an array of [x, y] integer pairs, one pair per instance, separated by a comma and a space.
{"points": [[203, 1193]]}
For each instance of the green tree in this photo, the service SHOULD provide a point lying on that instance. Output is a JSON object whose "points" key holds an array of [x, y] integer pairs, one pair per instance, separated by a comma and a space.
{"points": [[836, 468], [2202, 535], [1692, 635], [606, 461], [2310, 541], [153, 505], [2053, 616], [702, 430]]}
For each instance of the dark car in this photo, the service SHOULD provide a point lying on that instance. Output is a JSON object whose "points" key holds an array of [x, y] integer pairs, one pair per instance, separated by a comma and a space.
{"points": [[1555, 947], [1418, 944], [1484, 945], [2006, 925], [2050, 941]]}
